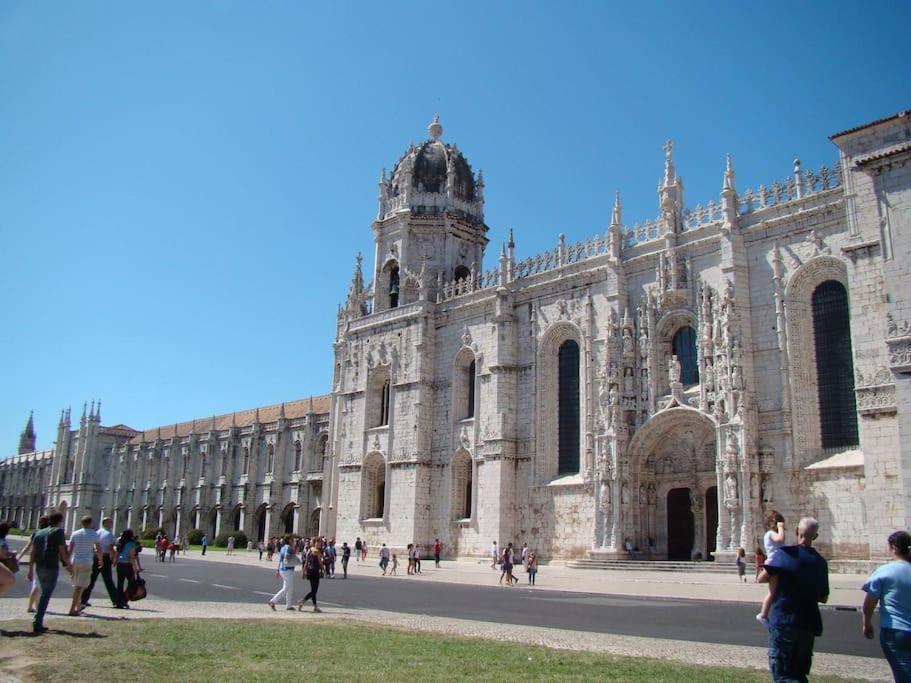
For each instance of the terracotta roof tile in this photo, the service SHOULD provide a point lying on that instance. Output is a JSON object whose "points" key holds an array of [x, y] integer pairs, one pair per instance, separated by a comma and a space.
{"points": [[293, 409]]}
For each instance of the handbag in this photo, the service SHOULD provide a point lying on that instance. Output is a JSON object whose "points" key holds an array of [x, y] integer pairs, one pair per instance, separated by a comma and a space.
{"points": [[11, 563], [138, 590]]}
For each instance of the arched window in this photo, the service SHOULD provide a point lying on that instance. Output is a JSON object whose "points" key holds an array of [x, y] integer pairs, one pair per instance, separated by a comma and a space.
{"points": [[202, 465], [384, 404], [374, 487], [461, 486], [394, 287], [834, 366], [297, 456], [471, 376], [684, 346], [461, 273], [246, 460], [568, 408], [270, 458], [321, 449]]}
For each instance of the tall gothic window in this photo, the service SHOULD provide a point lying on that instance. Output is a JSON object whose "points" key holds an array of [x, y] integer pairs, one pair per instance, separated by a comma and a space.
{"points": [[461, 485], [684, 345], [270, 458], [384, 404], [471, 377], [246, 460], [568, 408], [374, 486], [321, 448], [394, 287], [297, 456], [834, 366]]}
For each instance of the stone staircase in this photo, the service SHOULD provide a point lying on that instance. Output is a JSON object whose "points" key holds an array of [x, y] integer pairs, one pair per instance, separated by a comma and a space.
{"points": [[656, 566]]}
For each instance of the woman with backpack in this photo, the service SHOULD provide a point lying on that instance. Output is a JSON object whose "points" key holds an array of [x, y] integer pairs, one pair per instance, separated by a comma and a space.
{"points": [[128, 566], [312, 563]]}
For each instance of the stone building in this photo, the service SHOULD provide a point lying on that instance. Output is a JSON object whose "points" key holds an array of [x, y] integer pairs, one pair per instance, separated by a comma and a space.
{"points": [[665, 383]]}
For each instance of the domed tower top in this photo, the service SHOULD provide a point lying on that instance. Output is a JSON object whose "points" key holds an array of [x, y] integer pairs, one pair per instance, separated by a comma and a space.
{"points": [[432, 178]]}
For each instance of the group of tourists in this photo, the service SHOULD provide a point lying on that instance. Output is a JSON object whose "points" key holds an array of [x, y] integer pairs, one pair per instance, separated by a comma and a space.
{"points": [[167, 548], [87, 554], [507, 558], [798, 579], [317, 556]]}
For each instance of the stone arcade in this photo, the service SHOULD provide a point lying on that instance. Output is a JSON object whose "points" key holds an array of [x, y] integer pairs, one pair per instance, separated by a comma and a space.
{"points": [[663, 384]]}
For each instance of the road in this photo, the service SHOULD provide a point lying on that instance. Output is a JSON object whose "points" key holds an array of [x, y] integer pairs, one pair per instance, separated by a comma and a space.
{"points": [[198, 579]]}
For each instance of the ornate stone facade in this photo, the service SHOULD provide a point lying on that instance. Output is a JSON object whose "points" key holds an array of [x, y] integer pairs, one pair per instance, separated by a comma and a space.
{"points": [[664, 384]]}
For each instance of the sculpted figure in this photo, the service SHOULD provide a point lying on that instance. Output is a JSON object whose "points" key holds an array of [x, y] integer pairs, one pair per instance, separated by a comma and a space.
{"points": [[730, 488], [673, 370], [627, 341], [629, 388]]}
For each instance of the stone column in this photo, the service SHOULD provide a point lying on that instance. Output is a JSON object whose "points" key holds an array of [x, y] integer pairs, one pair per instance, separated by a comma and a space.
{"points": [[297, 514], [177, 523], [217, 521], [268, 513]]}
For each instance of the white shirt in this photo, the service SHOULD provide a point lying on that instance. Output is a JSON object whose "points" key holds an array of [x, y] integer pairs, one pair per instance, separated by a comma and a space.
{"points": [[83, 542], [105, 540]]}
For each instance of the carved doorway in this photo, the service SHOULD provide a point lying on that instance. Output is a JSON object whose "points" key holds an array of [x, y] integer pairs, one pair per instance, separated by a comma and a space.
{"points": [[261, 522], [314, 523], [711, 521], [681, 527]]}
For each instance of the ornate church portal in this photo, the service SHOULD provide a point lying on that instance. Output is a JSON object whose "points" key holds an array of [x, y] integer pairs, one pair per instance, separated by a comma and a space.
{"points": [[673, 464]]}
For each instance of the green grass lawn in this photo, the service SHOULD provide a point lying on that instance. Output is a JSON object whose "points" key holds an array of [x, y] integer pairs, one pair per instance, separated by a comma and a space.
{"points": [[316, 650]]}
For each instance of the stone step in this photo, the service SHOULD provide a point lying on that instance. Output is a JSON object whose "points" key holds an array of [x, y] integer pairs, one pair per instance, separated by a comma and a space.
{"points": [[654, 566]]}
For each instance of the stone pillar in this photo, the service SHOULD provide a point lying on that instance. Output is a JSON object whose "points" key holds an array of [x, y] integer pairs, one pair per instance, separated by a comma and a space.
{"points": [[129, 518], [217, 521], [268, 513], [297, 511], [242, 518], [177, 523], [145, 517]]}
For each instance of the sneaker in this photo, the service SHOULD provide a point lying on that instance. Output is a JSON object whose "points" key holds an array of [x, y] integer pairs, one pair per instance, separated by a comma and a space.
{"points": [[30, 610], [317, 609], [86, 604], [39, 629], [762, 620], [272, 605]]}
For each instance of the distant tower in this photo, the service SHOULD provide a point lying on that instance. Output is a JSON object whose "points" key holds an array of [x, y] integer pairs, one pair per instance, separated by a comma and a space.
{"points": [[27, 438]]}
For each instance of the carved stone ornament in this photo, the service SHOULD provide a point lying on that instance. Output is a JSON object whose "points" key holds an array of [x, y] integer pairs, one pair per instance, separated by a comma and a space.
{"points": [[464, 438], [875, 392], [898, 340]]}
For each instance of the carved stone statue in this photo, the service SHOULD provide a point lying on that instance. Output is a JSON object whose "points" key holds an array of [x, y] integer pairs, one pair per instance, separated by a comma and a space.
{"points": [[643, 496], [730, 490], [624, 494], [629, 383], [643, 344], [627, 341], [708, 377], [767, 490], [614, 395], [652, 495], [604, 496], [673, 370]]}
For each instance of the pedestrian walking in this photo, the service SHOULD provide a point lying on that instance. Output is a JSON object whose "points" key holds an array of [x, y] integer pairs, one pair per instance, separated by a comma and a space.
{"points": [[35, 591], [270, 550], [205, 543], [384, 558], [357, 549], [287, 561], [798, 580], [410, 548], [890, 588], [230, 545], [494, 555], [48, 552], [506, 566], [260, 547], [760, 560], [176, 545], [346, 556], [312, 564], [531, 566], [742, 565], [437, 549], [85, 552], [417, 558], [128, 567], [525, 552], [7, 556], [395, 564]]}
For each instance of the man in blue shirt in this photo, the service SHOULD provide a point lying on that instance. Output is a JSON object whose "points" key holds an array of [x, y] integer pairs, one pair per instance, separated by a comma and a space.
{"points": [[798, 580]]}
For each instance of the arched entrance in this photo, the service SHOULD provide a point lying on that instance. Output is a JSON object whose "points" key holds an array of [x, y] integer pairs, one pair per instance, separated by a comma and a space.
{"points": [[673, 471], [711, 521], [287, 517], [213, 525], [261, 522], [681, 529], [236, 521], [313, 529]]}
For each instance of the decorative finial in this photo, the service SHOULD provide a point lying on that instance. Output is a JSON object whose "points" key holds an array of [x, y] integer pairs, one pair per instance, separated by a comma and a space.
{"points": [[796, 165], [729, 174], [435, 128], [616, 218], [670, 175], [511, 243]]}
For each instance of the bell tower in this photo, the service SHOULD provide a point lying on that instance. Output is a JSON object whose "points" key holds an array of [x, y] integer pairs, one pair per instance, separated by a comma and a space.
{"points": [[430, 222]]}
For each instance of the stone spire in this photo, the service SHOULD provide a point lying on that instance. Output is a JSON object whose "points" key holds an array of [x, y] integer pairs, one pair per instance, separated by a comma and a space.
{"points": [[670, 193], [28, 438], [614, 238], [670, 173], [98, 412], [435, 128], [728, 174], [729, 197], [357, 300]]}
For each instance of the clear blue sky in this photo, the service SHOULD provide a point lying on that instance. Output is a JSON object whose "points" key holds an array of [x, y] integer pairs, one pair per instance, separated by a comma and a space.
{"points": [[184, 185]]}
